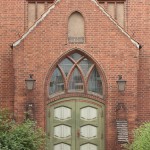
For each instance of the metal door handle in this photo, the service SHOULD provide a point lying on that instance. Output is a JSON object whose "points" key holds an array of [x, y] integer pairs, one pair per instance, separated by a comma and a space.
{"points": [[78, 133]]}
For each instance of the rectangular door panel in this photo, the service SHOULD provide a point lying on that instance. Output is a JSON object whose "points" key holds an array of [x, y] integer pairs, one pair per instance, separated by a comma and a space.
{"points": [[62, 125], [88, 124]]}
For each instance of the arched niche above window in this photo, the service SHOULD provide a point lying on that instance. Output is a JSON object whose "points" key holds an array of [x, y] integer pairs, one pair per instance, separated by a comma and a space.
{"points": [[76, 28]]}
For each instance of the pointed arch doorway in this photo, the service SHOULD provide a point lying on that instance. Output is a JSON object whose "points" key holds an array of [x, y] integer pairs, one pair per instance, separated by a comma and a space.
{"points": [[75, 122]]}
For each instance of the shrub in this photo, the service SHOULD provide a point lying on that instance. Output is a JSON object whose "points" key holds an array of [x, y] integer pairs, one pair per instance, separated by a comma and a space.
{"points": [[24, 136], [5, 120], [141, 138]]}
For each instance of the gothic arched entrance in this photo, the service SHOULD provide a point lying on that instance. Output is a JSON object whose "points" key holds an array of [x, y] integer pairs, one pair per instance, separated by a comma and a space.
{"points": [[76, 120]]}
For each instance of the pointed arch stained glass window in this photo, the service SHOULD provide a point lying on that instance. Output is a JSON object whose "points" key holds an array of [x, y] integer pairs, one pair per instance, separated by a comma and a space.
{"points": [[76, 73]]}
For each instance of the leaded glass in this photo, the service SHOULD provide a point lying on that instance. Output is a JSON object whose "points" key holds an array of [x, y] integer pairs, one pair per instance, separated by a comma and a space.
{"points": [[77, 69], [56, 83], [76, 82], [85, 65], [76, 56], [95, 83], [66, 65]]}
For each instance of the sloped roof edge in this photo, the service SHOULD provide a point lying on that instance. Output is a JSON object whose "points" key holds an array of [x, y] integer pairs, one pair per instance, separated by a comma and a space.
{"points": [[119, 27], [53, 6], [35, 24]]}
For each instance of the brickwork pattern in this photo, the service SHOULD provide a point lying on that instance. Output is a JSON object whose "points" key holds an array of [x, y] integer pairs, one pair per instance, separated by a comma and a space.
{"points": [[11, 27], [47, 44], [139, 27]]}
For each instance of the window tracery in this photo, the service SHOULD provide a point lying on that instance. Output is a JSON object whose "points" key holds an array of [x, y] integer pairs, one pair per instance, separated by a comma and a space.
{"points": [[76, 73]]}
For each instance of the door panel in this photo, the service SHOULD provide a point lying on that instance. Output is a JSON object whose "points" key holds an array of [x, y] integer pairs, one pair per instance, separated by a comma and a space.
{"points": [[61, 124], [89, 124], [75, 125]]}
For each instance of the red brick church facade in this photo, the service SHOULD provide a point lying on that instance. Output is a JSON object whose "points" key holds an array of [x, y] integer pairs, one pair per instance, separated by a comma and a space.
{"points": [[36, 36]]}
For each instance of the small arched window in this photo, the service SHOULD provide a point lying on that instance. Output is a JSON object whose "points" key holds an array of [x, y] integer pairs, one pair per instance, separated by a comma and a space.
{"points": [[76, 73], [76, 28]]}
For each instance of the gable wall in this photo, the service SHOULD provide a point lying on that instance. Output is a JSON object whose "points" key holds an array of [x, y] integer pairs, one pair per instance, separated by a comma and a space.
{"points": [[111, 49], [114, 57]]}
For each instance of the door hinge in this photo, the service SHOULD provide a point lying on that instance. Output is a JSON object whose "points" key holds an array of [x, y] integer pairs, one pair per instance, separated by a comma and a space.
{"points": [[78, 133]]}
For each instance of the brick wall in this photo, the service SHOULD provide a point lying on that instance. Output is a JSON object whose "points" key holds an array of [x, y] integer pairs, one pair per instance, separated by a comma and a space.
{"points": [[107, 45], [47, 44], [11, 27], [139, 27]]}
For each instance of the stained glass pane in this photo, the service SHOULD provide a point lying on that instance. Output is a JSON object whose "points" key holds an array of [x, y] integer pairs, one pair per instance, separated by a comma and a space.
{"points": [[76, 56], [56, 83], [95, 83], [85, 64], [66, 65], [76, 82]]}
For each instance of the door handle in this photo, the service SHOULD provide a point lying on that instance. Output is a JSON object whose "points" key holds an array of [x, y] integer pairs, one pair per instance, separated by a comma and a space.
{"points": [[78, 133]]}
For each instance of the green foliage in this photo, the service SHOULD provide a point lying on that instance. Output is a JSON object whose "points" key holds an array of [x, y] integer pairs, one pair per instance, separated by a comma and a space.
{"points": [[5, 121], [24, 136], [141, 138]]}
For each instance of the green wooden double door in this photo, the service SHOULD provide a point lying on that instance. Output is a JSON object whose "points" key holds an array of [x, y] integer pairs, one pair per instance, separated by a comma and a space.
{"points": [[75, 124]]}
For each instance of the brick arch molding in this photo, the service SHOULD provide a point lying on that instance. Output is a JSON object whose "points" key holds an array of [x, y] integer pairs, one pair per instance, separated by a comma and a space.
{"points": [[59, 59]]}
